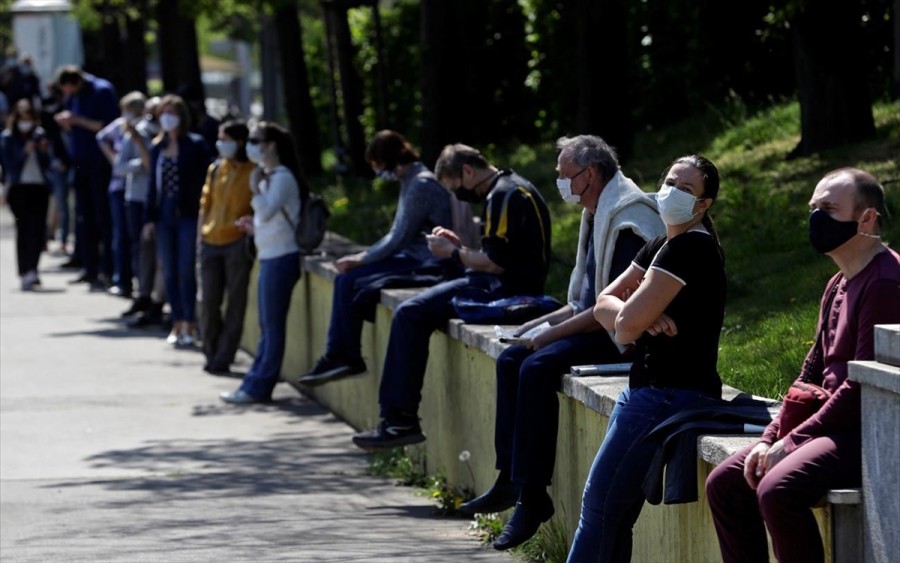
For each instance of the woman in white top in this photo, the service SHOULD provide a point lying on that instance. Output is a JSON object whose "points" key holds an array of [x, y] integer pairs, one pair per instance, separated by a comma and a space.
{"points": [[278, 191]]}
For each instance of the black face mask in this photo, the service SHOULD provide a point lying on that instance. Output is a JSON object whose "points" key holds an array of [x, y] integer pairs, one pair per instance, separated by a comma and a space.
{"points": [[826, 233], [468, 196]]}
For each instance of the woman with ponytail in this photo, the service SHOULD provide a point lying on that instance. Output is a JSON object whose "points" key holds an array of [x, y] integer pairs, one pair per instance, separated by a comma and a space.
{"points": [[670, 304], [278, 190]]}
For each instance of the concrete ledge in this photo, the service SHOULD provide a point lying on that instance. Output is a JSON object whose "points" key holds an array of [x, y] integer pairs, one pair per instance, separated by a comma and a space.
{"points": [[887, 344], [845, 496], [874, 374]]}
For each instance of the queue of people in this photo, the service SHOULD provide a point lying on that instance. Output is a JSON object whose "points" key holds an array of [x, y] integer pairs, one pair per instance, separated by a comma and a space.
{"points": [[156, 206]]}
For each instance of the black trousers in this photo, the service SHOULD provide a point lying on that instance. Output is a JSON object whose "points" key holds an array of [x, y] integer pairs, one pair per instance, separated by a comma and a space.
{"points": [[93, 225], [28, 203], [224, 275], [527, 407]]}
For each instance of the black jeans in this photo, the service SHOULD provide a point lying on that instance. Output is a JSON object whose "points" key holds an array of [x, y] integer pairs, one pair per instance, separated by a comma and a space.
{"points": [[28, 203], [224, 275]]}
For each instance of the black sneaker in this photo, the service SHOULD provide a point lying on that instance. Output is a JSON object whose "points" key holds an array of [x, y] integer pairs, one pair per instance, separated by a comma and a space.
{"points": [[328, 369], [389, 435]]}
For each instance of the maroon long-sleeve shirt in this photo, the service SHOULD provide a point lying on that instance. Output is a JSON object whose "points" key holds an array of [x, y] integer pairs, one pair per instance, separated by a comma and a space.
{"points": [[869, 298]]}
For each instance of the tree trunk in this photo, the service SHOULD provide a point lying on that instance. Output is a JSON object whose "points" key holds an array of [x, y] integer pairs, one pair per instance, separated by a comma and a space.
{"points": [[832, 78], [443, 79], [604, 104], [294, 78], [350, 87], [135, 68], [178, 54], [896, 94]]}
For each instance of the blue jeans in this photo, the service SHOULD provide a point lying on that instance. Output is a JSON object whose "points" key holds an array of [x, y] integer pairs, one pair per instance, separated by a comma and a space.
{"points": [[176, 243], [277, 277], [407, 352], [60, 181], [345, 329], [121, 244], [613, 497]]}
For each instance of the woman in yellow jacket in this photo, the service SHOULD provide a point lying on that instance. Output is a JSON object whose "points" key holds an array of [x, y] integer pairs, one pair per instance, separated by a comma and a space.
{"points": [[224, 256]]}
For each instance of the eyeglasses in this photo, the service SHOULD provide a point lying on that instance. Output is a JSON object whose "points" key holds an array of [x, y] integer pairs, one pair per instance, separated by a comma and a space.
{"points": [[255, 141]]}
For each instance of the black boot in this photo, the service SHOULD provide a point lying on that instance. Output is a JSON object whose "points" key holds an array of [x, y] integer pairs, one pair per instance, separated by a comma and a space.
{"points": [[139, 305], [151, 317], [533, 509], [502, 495]]}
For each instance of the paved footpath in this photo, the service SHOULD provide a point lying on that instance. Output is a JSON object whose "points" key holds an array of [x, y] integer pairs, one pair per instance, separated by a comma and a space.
{"points": [[115, 447]]}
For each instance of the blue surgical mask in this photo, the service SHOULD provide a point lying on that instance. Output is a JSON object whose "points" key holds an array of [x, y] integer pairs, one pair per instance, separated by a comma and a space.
{"points": [[676, 207], [254, 153], [227, 149]]}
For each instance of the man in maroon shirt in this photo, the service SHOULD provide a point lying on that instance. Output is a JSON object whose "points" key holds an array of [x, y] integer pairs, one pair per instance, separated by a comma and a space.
{"points": [[774, 483]]}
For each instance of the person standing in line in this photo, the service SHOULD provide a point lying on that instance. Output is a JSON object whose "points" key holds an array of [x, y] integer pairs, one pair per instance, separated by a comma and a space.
{"points": [[178, 164], [90, 104], [278, 189], [225, 259], [133, 162], [110, 139], [670, 303], [61, 171], [26, 155], [774, 483]]}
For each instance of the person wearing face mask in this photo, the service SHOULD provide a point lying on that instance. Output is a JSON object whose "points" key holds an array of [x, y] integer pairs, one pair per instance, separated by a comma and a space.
{"points": [[110, 140], [402, 252], [90, 103], [60, 169], [670, 305], [279, 191], [514, 260], [224, 259], [617, 219], [773, 484], [133, 163], [179, 161], [26, 155]]}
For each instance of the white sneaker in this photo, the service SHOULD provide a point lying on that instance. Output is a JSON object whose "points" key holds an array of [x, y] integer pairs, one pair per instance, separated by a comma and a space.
{"points": [[172, 338]]}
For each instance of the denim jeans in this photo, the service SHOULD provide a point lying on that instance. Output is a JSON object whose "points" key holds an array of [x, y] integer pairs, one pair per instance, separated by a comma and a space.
{"points": [[60, 181], [345, 329], [176, 243], [407, 352], [613, 497], [277, 277], [121, 245]]}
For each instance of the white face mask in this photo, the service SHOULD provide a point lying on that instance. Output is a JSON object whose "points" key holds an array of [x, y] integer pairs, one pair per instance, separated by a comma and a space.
{"points": [[169, 121], [386, 175], [676, 207], [25, 126], [564, 185], [254, 153], [227, 149]]}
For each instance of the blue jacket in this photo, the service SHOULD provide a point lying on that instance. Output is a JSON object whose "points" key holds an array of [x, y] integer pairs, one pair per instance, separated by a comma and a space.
{"points": [[194, 158], [12, 155]]}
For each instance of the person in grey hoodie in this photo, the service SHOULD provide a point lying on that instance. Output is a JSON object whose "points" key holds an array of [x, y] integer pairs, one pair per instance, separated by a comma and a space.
{"points": [[424, 204]]}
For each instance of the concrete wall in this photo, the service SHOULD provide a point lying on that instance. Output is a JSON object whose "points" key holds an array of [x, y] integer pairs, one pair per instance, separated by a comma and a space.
{"points": [[458, 414]]}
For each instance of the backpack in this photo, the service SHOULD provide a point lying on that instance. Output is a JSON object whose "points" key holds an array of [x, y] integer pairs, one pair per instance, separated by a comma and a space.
{"points": [[310, 232]]}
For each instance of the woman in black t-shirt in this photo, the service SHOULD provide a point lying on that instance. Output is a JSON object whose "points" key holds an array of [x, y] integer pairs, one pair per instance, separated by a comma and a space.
{"points": [[670, 303]]}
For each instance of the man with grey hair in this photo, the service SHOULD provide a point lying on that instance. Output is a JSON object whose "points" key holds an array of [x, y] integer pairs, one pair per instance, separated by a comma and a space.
{"points": [[617, 219]]}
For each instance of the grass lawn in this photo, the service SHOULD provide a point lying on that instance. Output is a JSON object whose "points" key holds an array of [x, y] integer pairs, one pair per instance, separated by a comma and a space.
{"points": [[775, 279]]}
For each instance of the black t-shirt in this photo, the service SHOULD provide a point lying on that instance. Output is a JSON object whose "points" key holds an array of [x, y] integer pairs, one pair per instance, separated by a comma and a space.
{"points": [[688, 359], [517, 234]]}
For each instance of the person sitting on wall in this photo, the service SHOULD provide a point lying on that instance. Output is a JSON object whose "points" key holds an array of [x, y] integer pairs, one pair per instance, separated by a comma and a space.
{"points": [[514, 260], [617, 219], [774, 483], [423, 205]]}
